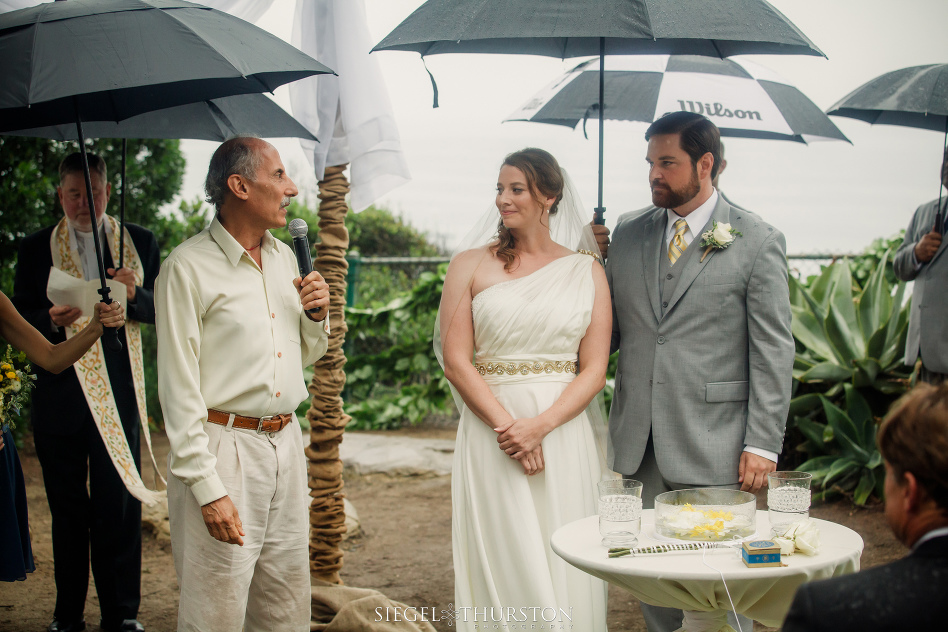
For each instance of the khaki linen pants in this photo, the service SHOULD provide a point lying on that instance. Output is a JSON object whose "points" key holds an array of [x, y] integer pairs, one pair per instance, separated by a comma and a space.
{"points": [[264, 584]]}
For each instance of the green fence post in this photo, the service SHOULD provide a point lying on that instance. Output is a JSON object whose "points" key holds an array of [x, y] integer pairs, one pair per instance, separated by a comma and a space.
{"points": [[352, 277], [354, 260]]}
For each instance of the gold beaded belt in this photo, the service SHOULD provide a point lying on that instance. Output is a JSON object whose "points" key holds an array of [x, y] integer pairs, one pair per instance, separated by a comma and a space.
{"points": [[526, 368]]}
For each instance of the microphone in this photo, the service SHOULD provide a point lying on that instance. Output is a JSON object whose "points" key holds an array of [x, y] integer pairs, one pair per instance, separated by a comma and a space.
{"points": [[299, 230]]}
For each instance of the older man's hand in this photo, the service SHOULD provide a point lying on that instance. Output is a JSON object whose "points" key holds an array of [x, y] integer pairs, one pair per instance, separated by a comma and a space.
{"points": [[222, 521], [314, 294], [127, 277], [602, 239], [64, 315]]}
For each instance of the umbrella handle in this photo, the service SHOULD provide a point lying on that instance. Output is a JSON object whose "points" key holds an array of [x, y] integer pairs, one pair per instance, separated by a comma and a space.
{"points": [[109, 335], [122, 209], [598, 213], [110, 339]]}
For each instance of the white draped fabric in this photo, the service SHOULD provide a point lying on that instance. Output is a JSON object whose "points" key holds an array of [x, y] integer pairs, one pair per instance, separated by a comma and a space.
{"points": [[349, 113], [248, 10]]}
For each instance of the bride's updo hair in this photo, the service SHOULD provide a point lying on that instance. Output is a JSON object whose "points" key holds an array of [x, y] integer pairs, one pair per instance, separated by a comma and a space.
{"points": [[545, 179]]}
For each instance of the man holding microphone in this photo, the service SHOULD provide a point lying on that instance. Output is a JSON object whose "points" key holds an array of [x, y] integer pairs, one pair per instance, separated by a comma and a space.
{"points": [[236, 326]]}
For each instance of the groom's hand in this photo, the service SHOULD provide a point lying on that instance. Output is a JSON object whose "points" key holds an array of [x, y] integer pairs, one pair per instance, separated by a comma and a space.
{"points": [[752, 472], [520, 436], [602, 238]]}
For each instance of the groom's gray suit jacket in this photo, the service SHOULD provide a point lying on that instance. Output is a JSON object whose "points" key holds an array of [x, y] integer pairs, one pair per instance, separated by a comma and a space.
{"points": [[928, 319], [705, 349]]}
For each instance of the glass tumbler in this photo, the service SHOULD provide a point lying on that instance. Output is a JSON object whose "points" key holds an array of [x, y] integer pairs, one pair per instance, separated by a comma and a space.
{"points": [[788, 499], [620, 512]]}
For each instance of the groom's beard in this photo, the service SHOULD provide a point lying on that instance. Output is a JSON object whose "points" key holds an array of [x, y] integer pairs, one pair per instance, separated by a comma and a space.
{"points": [[664, 196]]}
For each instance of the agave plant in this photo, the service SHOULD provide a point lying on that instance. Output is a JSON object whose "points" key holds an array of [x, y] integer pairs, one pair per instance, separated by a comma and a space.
{"points": [[847, 371], [847, 334], [848, 457]]}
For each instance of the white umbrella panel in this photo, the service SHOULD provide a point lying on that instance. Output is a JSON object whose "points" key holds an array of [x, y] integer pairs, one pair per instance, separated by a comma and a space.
{"points": [[742, 98]]}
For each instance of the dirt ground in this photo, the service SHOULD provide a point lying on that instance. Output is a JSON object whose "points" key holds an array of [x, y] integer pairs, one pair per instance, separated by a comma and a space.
{"points": [[404, 552]]}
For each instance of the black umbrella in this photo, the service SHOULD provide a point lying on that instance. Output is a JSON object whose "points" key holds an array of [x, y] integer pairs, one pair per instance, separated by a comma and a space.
{"points": [[108, 60], [910, 97], [575, 28], [218, 119]]}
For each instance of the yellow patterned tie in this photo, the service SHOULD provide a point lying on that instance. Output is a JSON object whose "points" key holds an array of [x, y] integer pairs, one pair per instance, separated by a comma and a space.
{"points": [[677, 244]]}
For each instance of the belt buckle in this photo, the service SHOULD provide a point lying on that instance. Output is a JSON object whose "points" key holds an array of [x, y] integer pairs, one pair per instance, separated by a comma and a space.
{"points": [[260, 429]]}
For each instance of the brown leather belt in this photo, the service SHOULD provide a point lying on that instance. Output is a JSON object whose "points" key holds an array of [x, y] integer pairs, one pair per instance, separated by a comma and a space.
{"points": [[270, 423]]}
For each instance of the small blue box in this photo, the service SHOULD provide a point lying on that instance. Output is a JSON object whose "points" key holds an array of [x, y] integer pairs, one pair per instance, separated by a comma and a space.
{"points": [[761, 553]]}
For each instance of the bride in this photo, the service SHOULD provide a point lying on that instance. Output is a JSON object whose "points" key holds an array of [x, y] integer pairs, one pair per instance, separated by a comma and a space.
{"points": [[536, 317]]}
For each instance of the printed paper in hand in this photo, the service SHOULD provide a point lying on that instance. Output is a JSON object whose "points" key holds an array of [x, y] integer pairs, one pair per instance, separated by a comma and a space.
{"points": [[64, 289]]}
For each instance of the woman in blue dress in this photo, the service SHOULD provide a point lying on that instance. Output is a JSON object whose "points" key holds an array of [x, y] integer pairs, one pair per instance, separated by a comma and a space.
{"points": [[16, 556]]}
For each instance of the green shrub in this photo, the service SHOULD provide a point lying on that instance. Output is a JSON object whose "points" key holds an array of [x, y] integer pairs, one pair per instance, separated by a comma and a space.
{"points": [[398, 378]]}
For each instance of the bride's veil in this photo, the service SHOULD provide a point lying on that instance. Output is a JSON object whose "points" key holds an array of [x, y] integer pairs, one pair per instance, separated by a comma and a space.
{"points": [[569, 228]]}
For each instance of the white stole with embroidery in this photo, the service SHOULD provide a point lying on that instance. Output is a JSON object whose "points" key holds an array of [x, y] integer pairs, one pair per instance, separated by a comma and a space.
{"points": [[91, 368]]}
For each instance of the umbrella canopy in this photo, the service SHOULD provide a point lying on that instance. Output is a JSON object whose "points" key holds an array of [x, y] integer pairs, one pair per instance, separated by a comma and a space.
{"points": [[217, 119], [910, 97], [742, 98], [114, 59], [573, 28], [108, 60]]}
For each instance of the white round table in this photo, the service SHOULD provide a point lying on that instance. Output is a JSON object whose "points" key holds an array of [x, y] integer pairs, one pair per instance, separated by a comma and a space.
{"points": [[682, 580]]}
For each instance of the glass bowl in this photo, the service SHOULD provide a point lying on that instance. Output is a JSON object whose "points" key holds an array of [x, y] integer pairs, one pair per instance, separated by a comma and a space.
{"points": [[706, 515]]}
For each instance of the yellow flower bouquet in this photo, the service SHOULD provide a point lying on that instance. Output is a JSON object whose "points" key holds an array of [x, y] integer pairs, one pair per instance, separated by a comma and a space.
{"points": [[16, 382]]}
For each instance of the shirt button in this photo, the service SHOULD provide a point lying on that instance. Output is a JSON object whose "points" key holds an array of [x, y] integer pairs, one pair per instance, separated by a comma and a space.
{"points": [[272, 315], [670, 276], [279, 354], [664, 303], [661, 340], [278, 393]]}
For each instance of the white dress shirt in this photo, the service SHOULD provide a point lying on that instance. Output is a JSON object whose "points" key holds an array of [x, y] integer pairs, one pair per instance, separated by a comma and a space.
{"points": [[85, 246], [697, 220], [231, 337]]}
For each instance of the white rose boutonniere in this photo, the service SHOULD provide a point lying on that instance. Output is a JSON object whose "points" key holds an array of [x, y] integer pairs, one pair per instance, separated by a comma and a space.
{"points": [[802, 536], [719, 237]]}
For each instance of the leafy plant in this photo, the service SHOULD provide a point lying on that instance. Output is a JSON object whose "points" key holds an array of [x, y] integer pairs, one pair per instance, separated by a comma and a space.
{"points": [[399, 380], [845, 333], [847, 371], [863, 264], [847, 457]]}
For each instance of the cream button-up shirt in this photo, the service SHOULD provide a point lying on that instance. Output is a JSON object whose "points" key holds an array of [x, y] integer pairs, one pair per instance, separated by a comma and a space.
{"points": [[231, 337]]}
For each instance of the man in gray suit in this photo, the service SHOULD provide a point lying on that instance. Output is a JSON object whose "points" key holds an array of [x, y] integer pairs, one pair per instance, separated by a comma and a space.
{"points": [[705, 350], [922, 258]]}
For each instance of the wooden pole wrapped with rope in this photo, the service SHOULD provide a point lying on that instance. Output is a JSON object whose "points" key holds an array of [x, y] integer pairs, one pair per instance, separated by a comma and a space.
{"points": [[326, 417]]}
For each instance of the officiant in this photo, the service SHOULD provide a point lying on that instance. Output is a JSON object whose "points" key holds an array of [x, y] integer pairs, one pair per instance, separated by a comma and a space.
{"points": [[74, 410]]}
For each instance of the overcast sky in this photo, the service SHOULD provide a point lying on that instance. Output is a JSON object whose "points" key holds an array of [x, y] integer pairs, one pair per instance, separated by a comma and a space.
{"points": [[826, 197]]}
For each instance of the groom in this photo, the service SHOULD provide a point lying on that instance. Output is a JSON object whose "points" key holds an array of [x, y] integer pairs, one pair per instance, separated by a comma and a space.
{"points": [[703, 382]]}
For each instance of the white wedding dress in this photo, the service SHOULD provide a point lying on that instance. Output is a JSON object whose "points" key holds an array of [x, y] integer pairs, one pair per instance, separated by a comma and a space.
{"points": [[503, 519]]}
